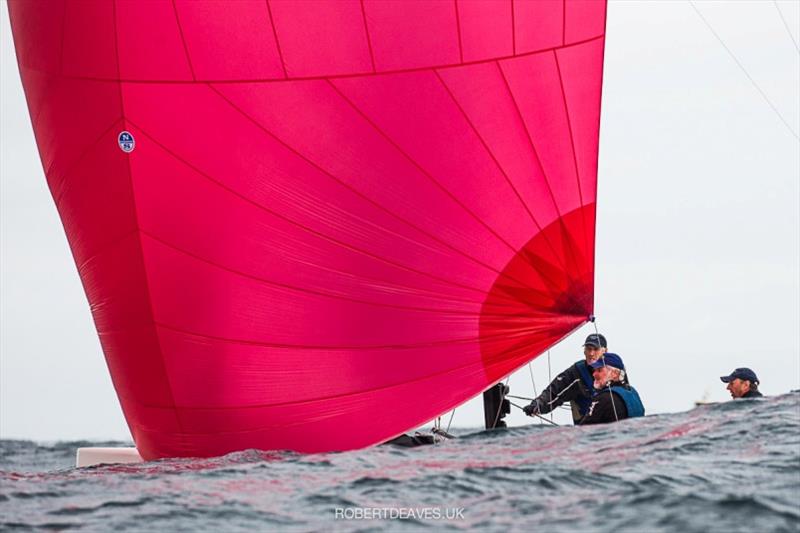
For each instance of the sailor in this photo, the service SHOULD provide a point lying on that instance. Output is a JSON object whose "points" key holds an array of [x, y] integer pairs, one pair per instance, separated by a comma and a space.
{"points": [[573, 385], [742, 383], [614, 398]]}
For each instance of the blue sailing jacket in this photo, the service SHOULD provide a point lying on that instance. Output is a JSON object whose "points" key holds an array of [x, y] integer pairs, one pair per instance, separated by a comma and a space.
{"points": [[631, 398], [583, 402]]}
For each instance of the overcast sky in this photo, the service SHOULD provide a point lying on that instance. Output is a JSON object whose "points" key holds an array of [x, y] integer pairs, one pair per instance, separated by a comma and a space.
{"points": [[698, 235]]}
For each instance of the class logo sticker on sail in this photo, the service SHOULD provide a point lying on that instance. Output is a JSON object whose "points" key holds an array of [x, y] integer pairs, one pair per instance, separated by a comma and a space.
{"points": [[126, 142]]}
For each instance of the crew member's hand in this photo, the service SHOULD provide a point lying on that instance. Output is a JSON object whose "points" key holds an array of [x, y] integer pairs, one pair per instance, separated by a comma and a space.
{"points": [[531, 409]]}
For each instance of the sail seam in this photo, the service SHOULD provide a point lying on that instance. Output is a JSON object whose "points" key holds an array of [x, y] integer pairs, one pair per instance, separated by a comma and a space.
{"points": [[428, 175], [541, 167], [141, 251], [277, 43], [78, 161], [329, 76], [572, 145], [183, 41], [505, 175], [458, 31], [513, 35], [369, 39], [363, 196], [305, 228]]}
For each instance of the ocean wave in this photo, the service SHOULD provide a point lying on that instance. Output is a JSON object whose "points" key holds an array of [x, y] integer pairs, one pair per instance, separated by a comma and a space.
{"points": [[726, 467]]}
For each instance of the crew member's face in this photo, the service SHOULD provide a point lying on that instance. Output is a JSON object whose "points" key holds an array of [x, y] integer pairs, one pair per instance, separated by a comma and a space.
{"points": [[592, 353], [738, 387], [602, 376]]}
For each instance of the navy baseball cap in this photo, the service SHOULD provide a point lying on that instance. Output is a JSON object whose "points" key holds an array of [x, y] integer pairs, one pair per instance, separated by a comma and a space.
{"points": [[609, 359], [596, 340], [740, 373]]}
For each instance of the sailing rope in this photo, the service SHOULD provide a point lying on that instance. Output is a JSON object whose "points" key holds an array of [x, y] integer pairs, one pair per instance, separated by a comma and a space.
{"points": [[452, 413], [744, 70], [608, 385], [519, 397], [530, 369], [564, 407], [534, 414]]}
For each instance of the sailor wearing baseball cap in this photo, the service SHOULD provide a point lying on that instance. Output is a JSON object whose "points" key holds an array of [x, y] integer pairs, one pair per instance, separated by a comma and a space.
{"points": [[742, 383], [573, 385], [595, 340], [614, 398]]}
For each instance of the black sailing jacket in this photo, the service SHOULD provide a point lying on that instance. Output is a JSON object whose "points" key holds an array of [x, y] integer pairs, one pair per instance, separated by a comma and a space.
{"points": [[573, 385]]}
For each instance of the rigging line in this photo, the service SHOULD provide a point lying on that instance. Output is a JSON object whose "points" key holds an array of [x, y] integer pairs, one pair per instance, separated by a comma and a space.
{"points": [[535, 414], [608, 385], [744, 70], [452, 413], [530, 369], [785, 25]]}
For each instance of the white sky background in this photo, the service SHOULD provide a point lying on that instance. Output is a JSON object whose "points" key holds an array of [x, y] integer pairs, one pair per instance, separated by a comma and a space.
{"points": [[698, 248]]}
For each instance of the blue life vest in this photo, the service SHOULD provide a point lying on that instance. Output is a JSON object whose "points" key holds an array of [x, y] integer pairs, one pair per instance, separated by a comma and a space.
{"points": [[632, 401], [582, 402]]}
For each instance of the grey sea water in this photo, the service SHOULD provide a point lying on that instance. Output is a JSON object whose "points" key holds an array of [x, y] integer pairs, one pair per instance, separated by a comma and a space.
{"points": [[727, 467]]}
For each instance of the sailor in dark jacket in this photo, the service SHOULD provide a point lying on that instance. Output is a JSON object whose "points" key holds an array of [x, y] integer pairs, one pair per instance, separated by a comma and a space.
{"points": [[614, 398], [742, 383], [573, 385]]}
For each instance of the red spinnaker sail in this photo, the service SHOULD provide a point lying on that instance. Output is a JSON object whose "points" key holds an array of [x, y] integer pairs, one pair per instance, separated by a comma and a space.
{"points": [[314, 225]]}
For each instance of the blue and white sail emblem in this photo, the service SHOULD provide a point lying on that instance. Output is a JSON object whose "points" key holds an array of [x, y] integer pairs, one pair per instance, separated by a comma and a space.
{"points": [[126, 142]]}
